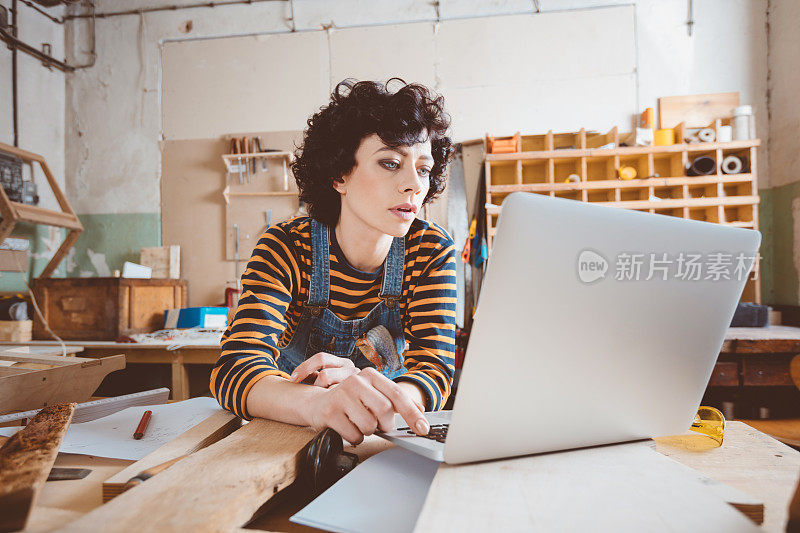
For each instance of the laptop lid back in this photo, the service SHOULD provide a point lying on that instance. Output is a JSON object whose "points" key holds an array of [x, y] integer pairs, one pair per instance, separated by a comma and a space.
{"points": [[594, 325]]}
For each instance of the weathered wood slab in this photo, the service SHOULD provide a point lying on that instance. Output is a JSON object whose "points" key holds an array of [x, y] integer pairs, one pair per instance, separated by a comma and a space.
{"points": [[25, 461]]}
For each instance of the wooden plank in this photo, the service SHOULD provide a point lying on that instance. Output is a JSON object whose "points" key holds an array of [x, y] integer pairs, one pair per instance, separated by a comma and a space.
{"points": [[767, 372], [54, 360], [625, 487], [40, 215], [71, 382], [724, 375], [207, 432], [25, 461], [615, 183], [623, 151], [55, 350], [214, 489], [695, 110]]}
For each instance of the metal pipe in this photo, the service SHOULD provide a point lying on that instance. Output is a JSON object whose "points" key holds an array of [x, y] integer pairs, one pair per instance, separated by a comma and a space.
{"points": [[15, 44], [168, 8], [42, 11]]}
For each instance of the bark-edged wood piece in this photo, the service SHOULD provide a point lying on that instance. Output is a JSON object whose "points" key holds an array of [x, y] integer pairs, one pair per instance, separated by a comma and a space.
{"points": [[25, 462]]}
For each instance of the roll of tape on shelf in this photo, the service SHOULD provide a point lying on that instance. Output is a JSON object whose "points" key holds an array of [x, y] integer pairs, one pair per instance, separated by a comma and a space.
{"points": [[573, 178], [627, 173], [664, 137], [702, 166], [707, 135], [732, 165], [725, 134]]}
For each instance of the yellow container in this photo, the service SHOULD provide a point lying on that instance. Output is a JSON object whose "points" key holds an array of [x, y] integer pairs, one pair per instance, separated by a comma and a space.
{"points": [[626, 173], [664, 137]]}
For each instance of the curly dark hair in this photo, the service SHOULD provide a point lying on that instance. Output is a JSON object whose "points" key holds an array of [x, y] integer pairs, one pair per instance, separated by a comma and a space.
{"points": [[358, 109]]}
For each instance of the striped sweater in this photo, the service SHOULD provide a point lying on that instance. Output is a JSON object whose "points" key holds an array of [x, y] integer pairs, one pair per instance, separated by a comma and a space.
{"points": [[277, 278]]}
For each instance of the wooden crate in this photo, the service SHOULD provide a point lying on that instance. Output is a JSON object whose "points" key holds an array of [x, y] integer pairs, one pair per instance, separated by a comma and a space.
{"points": [[104, 308]]}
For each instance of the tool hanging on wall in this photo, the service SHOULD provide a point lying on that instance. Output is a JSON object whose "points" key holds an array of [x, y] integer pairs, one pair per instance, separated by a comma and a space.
{"points": [[237, 149], [466, 253], [246, 150]]}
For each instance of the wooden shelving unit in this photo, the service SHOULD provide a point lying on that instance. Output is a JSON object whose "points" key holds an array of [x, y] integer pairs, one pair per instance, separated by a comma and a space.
{"points": [[584, 166], [13, 213]]}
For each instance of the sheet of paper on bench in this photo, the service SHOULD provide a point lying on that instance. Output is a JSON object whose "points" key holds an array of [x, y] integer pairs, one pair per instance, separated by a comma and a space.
{"points": [[385, 493], [625, 487], [112, 436]]}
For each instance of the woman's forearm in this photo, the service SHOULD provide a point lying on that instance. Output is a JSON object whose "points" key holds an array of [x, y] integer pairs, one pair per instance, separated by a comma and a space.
{"points": [[276, 398]]}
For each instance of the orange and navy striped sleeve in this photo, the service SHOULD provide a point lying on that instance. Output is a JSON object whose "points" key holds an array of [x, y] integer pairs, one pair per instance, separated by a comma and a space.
{"points": [[250, 344], [278, 277], [429, 314]]}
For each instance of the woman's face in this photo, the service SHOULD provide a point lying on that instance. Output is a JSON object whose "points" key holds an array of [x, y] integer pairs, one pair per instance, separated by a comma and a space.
{"points": [[386, 188]]}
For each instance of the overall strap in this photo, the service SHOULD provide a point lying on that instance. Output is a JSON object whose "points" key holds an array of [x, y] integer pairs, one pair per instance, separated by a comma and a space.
{"points": [[393, 267], [320, 268]]}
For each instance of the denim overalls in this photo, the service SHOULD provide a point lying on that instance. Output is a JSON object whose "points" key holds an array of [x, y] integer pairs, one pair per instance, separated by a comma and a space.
{"points": [[320, 330]]}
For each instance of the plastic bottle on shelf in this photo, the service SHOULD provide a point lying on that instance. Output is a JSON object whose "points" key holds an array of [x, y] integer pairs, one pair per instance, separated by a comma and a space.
{"points": [[743, 123]]}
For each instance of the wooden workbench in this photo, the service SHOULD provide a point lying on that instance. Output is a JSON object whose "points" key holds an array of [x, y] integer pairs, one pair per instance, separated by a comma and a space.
{"points": [[749, 461], [749, 356], [145, 353]]}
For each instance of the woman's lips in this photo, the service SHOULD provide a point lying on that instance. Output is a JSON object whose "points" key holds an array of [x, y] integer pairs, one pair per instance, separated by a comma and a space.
{"points": [[403, 215]]}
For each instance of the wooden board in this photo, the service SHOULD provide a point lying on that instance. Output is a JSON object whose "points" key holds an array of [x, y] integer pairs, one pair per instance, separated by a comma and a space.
{"points": [[217, 488], [771, 339], [207, 432], [69, 379], [164, 260], [696, 110], [193, 211], [25, 461]]}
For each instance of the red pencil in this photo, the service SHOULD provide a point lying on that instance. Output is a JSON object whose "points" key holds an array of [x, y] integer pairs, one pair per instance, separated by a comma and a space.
{"points": [[139, 433]]}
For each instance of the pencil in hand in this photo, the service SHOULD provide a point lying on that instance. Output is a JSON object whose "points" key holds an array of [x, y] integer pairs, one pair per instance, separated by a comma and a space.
{"points": [[140, 429]]}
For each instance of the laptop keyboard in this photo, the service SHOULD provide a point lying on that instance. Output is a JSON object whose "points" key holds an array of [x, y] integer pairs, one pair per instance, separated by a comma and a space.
{"points": [[438, 432]]}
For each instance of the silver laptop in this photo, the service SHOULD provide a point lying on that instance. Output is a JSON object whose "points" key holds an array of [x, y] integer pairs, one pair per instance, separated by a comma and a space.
{"points": [[595, 325]]}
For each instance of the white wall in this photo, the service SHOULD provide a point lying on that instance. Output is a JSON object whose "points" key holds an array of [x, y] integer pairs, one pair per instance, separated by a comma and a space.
{"points": [[520, 81], [40, 94], [114, 108]]}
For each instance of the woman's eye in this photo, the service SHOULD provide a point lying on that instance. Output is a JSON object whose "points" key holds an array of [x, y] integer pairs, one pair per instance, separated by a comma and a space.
{"points": [[424, 171], [390, 165]]}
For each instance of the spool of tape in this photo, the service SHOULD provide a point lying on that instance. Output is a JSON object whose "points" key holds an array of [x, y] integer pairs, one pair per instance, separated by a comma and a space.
{"points": [[707, 135], [702, 166], [664, 137], [627, 173], [573, 178], [732, 165]]}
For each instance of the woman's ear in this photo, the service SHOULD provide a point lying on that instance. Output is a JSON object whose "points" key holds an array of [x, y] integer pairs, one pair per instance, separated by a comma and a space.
{"points": [[340, 185]]}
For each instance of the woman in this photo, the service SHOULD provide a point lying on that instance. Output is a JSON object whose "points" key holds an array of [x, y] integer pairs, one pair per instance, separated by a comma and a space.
{"points": [[316, 285]]}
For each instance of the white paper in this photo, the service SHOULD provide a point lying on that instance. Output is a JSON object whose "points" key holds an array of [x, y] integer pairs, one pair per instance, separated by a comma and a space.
{"points": [[386, 492], [112, 435]]}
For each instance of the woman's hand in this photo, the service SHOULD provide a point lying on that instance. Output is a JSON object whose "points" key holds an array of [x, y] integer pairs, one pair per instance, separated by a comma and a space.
{"points": [[327, 369], [362, 404]]}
